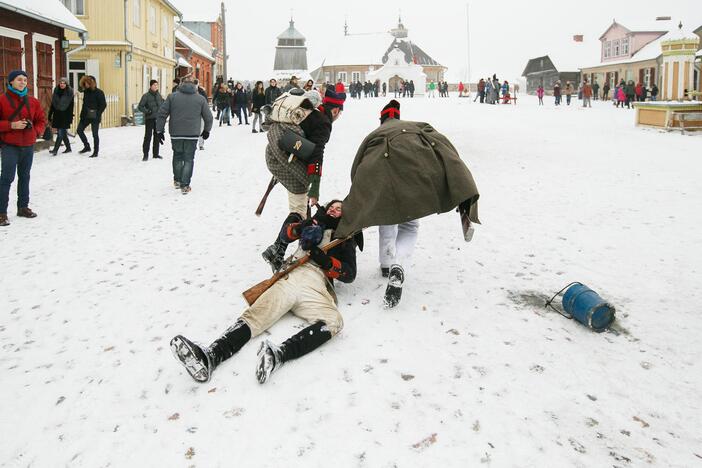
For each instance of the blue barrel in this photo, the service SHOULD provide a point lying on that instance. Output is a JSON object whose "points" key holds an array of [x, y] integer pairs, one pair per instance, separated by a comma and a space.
{"points": [[587, 307]]}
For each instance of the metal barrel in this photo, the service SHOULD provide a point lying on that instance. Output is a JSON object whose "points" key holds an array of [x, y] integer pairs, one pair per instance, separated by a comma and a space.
{"points": [[587, 307]]}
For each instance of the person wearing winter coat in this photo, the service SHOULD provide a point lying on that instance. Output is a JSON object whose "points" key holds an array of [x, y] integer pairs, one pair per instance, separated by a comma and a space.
{"points": [[185, 111], [239, 102], [149, 104], [94, 104], [411, 88], [273, 92], [307, 292], [258, 100], [630, 93], [621, 96], [605, 92], [431, 87], [654, 92], [595, 90], [223, 98], [22, 121], [587, 94], [301, 179], [460, 89], [293, 83], [481, 90], [557, 92], [568, 92], [61, 114], [638, 92], [540, 94], [385, 89]]}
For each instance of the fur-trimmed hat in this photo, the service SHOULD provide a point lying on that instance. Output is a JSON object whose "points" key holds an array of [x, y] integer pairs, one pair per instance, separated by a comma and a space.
{"points": [[390, 111], [333, 99]]}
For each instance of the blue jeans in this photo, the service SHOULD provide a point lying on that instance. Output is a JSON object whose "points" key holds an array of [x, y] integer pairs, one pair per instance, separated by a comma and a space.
{"points": [[183, 160], [19, 159]]}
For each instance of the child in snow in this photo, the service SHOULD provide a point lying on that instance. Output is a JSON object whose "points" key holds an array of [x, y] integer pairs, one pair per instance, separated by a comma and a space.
{"points": [[540, 95]]}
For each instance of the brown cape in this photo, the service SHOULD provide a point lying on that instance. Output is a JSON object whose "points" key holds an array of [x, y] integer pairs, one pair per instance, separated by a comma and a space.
{"points": [[403, 171]]}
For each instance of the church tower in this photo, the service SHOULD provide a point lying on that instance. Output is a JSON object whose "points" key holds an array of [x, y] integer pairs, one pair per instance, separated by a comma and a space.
{"points": [[291, 51]]}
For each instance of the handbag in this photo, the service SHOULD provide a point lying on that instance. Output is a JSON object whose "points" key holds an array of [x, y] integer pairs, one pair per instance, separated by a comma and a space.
{"points": [[296, 145], [91, 114]]}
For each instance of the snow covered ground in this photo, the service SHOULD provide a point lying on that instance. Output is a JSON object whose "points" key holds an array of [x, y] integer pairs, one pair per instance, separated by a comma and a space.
{"points": [[469, 370]]}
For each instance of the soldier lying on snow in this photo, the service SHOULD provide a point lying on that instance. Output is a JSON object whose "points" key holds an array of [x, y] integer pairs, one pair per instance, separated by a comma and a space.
{"points": [[307, 292]]}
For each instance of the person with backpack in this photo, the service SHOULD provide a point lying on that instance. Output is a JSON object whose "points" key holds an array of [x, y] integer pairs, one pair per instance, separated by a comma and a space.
{"points": [[94, 104], [61, 114], [22, 121], [301, 178], [149, 104]]}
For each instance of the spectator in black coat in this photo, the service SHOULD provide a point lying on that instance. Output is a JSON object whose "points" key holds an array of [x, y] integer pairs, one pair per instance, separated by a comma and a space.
{"points": [[258, 100], [273, 92], [94, 104], [61, 114], [239, 101]]}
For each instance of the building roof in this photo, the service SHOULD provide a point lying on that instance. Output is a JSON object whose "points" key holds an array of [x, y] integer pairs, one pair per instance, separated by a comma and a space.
{"points": [[291, 32], [413, 53], [52, 12], [190, 40], [172, 7]]}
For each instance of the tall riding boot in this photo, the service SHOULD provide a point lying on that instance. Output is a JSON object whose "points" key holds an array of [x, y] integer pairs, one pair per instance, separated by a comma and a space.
{"points": [[230, 342], [274, 255], [271, 357], [57, 145]]}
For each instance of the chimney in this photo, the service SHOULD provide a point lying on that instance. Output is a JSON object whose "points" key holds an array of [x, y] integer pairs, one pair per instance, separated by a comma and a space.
{"points": [[578, 38]]}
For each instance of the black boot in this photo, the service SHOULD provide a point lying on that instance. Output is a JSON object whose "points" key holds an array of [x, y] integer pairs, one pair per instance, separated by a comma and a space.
{"points": [[271, 357], [68, 148], [86, 149], [94, 155], [274, 255], [145, 158], [230, 342], [57, 145], [393, 292]]}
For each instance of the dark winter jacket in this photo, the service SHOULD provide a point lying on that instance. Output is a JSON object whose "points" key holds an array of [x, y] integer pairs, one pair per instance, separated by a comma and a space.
{"points": [[61, 118], [31, 111], [239, 99], [150, 103], [272, 93], [317, 127], [202, 92], [186, 109], [222, 99], [654, 91], [93, 99], [258, 100]]}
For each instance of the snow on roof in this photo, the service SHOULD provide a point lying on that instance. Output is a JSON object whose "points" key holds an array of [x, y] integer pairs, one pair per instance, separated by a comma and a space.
{"points": [[191, 44], [358, 49], [648, 26], [183, 63], [53, 12]]}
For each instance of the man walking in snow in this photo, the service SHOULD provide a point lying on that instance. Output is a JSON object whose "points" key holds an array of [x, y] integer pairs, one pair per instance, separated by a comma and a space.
{"points": [[149, 105], [307, 292], [186, 109]]}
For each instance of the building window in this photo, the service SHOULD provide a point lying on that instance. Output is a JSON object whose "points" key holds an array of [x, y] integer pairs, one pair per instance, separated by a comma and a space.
{"points": [[137, 12], [647, 77], [327, 77], [76, 71], [355, 76], [608, 49], [341, 76], [152, 19], [615, 48], [164, 27], [625, 46], [77, 7]]}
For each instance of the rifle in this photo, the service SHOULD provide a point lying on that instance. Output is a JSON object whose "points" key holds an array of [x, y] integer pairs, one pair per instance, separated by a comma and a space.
{"points": [[271, 184], [253, 293]]}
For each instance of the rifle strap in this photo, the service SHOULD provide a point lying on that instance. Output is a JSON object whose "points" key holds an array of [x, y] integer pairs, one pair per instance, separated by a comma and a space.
{"points": [[12, 104]]}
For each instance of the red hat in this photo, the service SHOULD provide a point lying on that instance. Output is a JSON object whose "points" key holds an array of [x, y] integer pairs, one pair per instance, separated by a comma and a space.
{"points": [[391, 110]]}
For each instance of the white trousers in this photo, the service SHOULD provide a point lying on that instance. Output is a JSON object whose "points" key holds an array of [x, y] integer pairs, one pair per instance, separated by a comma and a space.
{"points": [[297, 203], [396, 243]]}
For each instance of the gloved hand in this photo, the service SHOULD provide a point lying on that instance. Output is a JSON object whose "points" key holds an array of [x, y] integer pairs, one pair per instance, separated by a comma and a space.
{"points": [[320, 258], [311, 236], [161, 137], [205, 134]]}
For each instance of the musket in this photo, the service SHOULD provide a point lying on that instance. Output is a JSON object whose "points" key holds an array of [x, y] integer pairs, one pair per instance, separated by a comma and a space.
{"points": [[271, 184], [253, 293]]}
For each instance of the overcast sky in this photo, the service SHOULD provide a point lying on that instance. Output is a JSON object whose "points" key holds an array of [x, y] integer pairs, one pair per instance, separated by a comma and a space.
{"points": [[503, 35]]}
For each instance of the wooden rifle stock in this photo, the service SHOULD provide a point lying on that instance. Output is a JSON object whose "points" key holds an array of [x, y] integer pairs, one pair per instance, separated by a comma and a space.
{"points": [[271, 184], [253, 293]]}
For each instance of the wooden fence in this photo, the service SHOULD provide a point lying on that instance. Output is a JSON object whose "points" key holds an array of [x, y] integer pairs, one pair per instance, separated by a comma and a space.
{"points": [[112, 117]]}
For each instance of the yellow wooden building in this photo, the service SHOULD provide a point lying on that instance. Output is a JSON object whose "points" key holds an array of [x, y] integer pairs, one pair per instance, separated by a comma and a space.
{"points": [[129, 43]]}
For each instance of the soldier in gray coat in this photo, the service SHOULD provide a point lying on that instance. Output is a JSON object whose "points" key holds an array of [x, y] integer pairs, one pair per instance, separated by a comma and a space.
{"points": [[149, 105], [186, 109]]}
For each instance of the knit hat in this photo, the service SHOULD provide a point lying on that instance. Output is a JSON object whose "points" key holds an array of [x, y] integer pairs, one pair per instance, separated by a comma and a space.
{"points": [[152, 82], [14, 74], [391, 110], [333, 99]]}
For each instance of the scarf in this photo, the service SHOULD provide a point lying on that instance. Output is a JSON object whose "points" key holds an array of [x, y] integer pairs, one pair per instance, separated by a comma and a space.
{"points": [[22, 93], [62, 98]]}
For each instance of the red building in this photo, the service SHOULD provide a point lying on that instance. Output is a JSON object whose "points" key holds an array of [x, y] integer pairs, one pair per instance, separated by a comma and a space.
{"points": [[197, 52], [31, 39], [212, 31]]}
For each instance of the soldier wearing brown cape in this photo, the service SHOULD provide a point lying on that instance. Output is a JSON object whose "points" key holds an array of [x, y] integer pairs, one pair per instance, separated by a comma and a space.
{"points": [[404, 171]]}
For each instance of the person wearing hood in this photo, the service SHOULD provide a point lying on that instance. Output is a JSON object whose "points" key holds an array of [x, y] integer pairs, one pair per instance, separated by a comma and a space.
{"points": [[307, 292], [149, 104], [22, 120], [186, 109], [94, 104], [61, 114]]}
